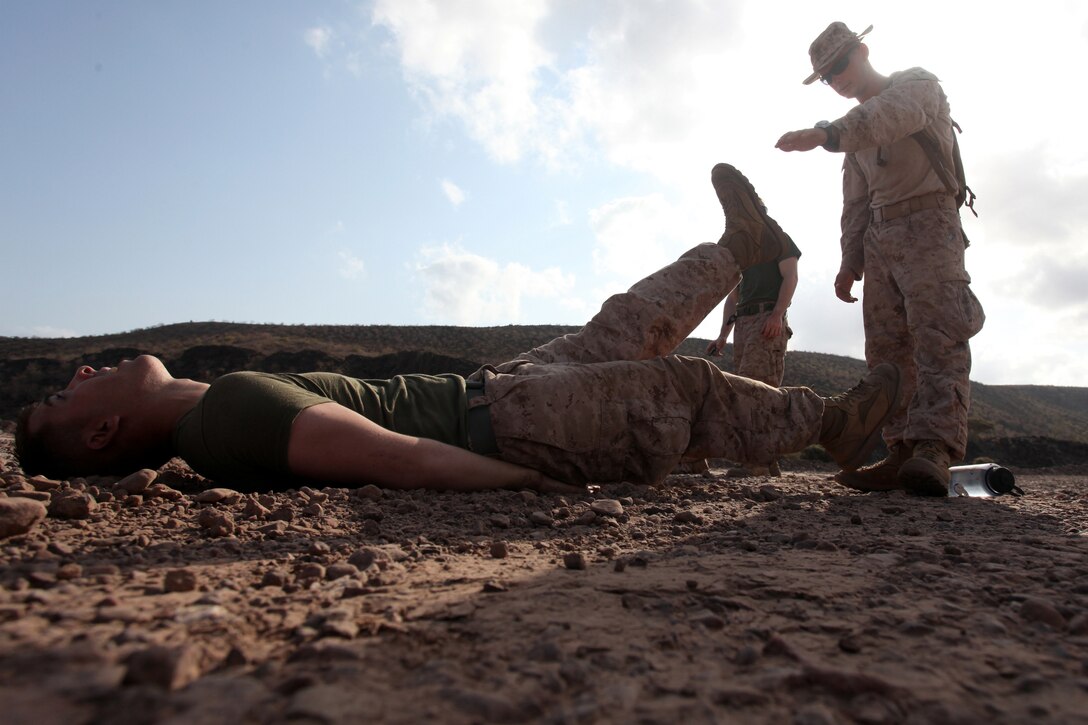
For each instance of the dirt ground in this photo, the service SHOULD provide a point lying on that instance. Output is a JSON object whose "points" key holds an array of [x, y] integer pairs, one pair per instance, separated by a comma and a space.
{"points": [[710, 600]]}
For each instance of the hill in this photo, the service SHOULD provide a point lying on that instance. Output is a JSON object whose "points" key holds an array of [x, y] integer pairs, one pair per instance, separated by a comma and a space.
{"points": [[1039, 425]]}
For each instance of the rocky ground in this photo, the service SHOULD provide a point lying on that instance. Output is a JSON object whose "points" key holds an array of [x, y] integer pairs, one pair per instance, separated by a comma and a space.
{"points": [[713, 599]]}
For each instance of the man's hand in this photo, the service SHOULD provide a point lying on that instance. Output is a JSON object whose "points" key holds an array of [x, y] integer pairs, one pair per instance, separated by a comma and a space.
{"points": [[715, 348], [774, 325], [844, 282], [804, 140]]}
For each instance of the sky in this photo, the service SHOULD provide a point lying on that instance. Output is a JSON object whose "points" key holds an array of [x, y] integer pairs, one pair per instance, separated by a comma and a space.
{"points": [[491, 162]]}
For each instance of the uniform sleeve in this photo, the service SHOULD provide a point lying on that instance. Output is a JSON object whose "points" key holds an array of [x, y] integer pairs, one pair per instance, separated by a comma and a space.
{"points": [[855, 217], [903, 108]]}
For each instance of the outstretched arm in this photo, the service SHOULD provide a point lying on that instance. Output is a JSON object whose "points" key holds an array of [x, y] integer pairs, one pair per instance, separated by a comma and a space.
{"points": [[332, 443]]}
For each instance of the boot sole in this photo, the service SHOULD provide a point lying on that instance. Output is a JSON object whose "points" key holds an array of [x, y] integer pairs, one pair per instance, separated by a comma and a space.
{"points": [[753, 207]]}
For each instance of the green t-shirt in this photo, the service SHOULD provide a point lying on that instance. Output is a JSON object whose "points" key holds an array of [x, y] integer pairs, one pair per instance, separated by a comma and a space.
{"points": [[761, 282], [238, 432]]}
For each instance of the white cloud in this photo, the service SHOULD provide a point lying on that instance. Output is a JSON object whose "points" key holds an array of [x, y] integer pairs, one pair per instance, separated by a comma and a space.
{"points": [[467, 289], [318, 39], [351, 267], [664, 90], [636, 236], [453, 192]]}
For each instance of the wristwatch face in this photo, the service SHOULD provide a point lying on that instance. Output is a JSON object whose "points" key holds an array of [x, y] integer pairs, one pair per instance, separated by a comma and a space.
{"points": [[822, 124]]}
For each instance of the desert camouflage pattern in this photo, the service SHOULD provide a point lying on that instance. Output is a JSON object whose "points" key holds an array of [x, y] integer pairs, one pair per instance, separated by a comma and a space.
{"points": [[755, 356], [919, 313], [918, 307], [609, 403]]}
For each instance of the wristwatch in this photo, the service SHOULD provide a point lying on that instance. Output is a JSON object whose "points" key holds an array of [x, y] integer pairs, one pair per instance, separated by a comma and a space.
{"points": [[832, 143]]}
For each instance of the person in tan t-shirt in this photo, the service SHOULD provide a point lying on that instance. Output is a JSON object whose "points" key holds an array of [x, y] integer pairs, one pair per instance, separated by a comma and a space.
{"points": [[900, 233]]}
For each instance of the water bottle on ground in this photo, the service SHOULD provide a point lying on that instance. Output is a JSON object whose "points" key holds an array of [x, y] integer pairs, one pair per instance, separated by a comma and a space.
{"points": [[982, 480]]}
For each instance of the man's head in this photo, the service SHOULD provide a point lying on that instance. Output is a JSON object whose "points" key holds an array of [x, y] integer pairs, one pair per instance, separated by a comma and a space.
{"points": [[833, 54], [96, 424]]}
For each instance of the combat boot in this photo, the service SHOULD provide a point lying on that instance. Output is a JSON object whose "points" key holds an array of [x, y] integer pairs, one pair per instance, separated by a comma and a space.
{"points": [[881, 476], [926, 472], [750, 233], [852, 420]]}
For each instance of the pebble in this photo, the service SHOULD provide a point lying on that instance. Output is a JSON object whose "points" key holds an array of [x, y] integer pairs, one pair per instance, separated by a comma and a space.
{"points": [[574, 560], [1039, 610], [310, 570], [254, 510], [216, 522], [687, 517], [606, 507], [41, 483], [707, 618], [541, 518], [73, 505], [164, 667], [19, 515], [137, 482], [161, 490], [369, 492], [179, 580], [340, 570], [499, 550], [499, 521], [218, 495]]}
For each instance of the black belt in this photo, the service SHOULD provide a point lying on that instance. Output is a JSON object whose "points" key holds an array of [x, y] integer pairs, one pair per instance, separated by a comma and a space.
{"points": [[481, 436], [933, 200], [754, 308]]}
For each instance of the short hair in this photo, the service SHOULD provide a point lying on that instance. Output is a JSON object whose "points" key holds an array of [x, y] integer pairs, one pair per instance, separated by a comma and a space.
{"points": [[58, 452], [48, 451]]}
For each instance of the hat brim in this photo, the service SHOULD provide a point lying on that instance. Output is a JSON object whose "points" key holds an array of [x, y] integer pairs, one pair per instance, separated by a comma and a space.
{"points": [[817, 74]]}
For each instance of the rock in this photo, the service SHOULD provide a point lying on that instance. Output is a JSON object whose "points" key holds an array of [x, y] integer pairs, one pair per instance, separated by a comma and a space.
{"points": [[19, 515], [165, 667], [606, 507], [340, 570], [216, 522], [41, 483], [499, 521], [74, 505], [687, 517], [283, 513], [218, 495], [541, 518], [367, 556], [254, 509], [499, 550], [706, 618], [310, 570], [1039, 610], [574, 560], [179, 580], [161, 490], [369, 492], [137, 482]]}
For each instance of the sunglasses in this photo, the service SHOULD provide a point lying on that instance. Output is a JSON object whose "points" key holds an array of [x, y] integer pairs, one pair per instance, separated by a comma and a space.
{"points": [[838, 67]]}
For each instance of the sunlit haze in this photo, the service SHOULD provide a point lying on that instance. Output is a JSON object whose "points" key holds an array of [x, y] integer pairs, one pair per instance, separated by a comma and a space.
{"points": [[497, 162]]}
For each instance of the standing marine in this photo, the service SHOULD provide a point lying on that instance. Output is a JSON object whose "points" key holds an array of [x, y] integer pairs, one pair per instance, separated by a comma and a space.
{"points": [[901, 235]]}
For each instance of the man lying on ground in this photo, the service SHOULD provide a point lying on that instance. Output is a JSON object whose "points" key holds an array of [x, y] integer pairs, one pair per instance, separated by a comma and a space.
{"points": [[606, 404]]}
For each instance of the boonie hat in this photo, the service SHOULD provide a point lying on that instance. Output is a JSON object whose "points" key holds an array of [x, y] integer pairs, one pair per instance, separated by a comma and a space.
{"points": [[829, 45]]}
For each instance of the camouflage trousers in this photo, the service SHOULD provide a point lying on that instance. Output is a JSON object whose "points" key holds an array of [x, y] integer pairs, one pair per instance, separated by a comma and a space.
{"points": [[609, 403], [919, 313], [755, 356]]}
